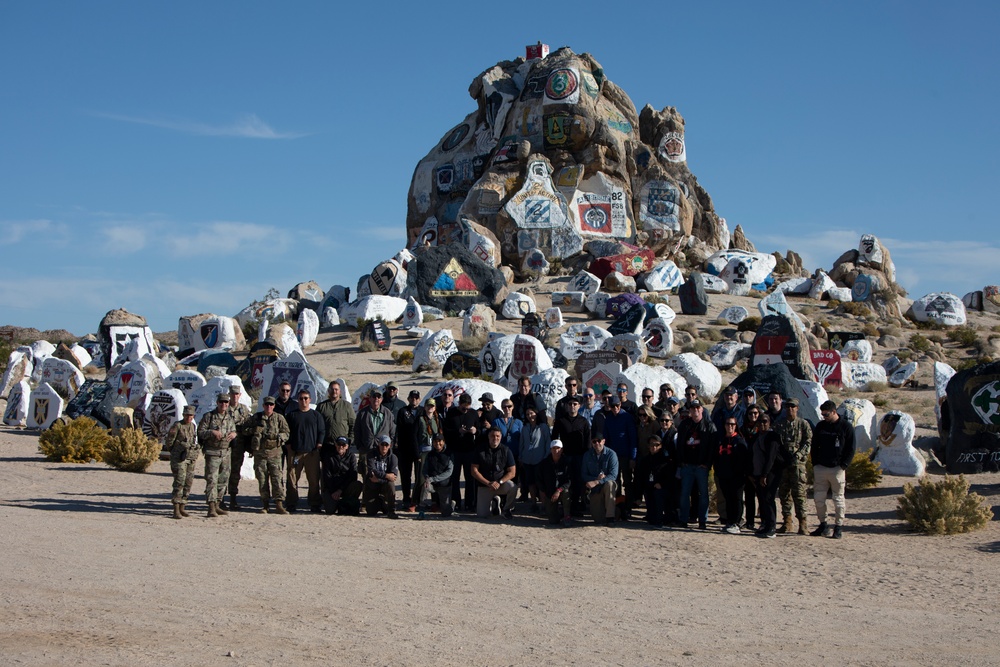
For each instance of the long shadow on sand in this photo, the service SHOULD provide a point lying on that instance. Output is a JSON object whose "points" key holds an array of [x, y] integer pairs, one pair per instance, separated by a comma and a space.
{"points": [[119, 503]]}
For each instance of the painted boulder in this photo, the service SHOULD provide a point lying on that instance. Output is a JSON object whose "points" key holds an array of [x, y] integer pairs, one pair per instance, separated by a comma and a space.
{"points": [[857, 350], [895, 445], [16, 412], [45, 405], [860, 413], [859, 375], [939, 307], [479, 321], [166, 406], [580, 338], [659, 338], [434, 349], [307, 327], [517, 305], [631, 345], [413, 314], [570, 302], [699, 373]]}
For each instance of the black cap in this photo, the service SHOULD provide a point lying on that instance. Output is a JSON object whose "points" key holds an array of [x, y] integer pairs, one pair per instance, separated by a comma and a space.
{"points": [[694, 403]]}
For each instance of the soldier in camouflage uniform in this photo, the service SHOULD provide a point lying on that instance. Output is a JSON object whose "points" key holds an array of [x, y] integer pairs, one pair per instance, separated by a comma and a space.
{"points": [[216, 431], [796, 438], [241, 417], [182, 443], [268, 434]]}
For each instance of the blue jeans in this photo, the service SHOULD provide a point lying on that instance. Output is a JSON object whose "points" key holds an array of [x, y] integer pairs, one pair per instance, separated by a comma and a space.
{"points": [[689, 475]]}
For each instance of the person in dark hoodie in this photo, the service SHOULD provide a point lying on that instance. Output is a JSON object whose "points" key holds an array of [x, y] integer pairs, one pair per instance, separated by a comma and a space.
{"points": [[438, 468], [832, 452], [653, 475], [668, 439], [696, 438], [766, 474], [555, 479], [380, 479], [731, 460], [749, 431], [339, 483]]}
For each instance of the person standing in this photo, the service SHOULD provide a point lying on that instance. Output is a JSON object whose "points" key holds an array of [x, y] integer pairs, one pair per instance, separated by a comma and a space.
{"points": [[766, 474], [408, 449], [307, 432], [832, 453], [620, 437], [373, 420], [525, 398], [589, 407], [216, 431], [573, 430], [182, 443], [731, 460], [535, 439], [268, 435], [652, 478], [391, 399], [283, 403], [696, 438], [572, 391], [337, 413], [241, 445], [796, 437]]}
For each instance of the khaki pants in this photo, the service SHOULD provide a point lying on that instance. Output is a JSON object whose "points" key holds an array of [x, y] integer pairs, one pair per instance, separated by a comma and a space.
{"points": [[833, 480], [602, 501], [310, 463]]}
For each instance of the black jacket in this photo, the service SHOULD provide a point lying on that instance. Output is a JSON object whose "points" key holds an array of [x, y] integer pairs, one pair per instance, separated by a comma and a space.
{"points": [[338, 471], [554, 475], [654, 469], [731, 457], [695, 442], [574, 434], [833, 444], [765, 454], [407, 419]]}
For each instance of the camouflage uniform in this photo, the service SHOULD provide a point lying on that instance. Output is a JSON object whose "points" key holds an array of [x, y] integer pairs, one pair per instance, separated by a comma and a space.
{"points": [[268, 436], [216, 452], [796, 437], [241, 417], [182, 443]]}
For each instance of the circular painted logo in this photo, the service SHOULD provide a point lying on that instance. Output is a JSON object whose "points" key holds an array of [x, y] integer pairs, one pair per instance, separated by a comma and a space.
{"points": [[455, 137], [596, 218], [638, 262], [561, 84]]}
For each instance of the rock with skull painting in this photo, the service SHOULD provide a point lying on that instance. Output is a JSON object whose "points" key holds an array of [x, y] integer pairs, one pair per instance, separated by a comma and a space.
{"points": [[895, 445]]}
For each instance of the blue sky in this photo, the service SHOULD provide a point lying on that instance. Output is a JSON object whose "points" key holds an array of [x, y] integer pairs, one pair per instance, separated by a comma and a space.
{"points": [[183, 157]]}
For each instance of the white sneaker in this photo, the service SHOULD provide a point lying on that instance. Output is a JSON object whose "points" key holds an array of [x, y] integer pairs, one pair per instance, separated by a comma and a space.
{"points": [[732, 529], [495, 506]]}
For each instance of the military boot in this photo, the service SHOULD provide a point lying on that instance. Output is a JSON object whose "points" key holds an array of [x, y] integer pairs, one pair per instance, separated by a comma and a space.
{"points": [[183, 510], [279, 507], [263, 507], [803, 526], [219, 509], [212, 509], [820, 530], [232, 503], [787, 526], [177, 511]]}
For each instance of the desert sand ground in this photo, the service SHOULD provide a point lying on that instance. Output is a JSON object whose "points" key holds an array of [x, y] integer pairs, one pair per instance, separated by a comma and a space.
{"points": [[97, 573]]}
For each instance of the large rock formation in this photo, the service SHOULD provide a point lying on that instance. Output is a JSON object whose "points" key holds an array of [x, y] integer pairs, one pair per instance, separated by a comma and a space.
{"points": [[556, 155]]}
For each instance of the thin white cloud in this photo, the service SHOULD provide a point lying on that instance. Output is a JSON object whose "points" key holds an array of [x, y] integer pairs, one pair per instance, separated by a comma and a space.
{"points": [[228, 238], [385, 233], [249, 126], [125, 238], [34, 231]]}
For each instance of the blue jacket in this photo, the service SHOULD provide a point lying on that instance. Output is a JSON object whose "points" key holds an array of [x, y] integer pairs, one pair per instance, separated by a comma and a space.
{"points": [[593, 466], [620, 435]]}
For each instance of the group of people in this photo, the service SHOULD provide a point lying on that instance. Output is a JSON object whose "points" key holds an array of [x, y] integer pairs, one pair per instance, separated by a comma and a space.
{"points": [[605, 454]]}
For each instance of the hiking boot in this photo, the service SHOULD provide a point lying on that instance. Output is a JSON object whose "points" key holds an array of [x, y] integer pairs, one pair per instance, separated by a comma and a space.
{"points": [[786, 526], [177, 511], [212, 510], [219, 510], [233, 506], [803, 526], [820, 530], [279, 507], [263, 509], [182, 510], [837, 534]]}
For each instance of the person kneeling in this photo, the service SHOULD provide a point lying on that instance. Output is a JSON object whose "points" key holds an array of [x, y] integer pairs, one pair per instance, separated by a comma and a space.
{"points": [[493, 470], [380, 482], [599, 472], [554, 484]]}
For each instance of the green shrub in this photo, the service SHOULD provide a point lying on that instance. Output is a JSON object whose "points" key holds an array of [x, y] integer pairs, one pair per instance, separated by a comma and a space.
{"points": [[942, 508], [472, 345], [964, 336], [131, 451], [855, 308], [368, 346], [78, 441], [870, 330], [861, 474], [749, 324], [919, 343], [403, 357], [714, 335], [876, 387]]}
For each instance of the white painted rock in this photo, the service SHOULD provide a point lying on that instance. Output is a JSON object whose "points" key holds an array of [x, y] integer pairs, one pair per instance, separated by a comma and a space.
{"points": [[130, 343], [641, 376], [212, 332], [19, 367], [336, 297], [775, 303], [632, 346], [799, 285], [45, 405], [815, 393], [725, 354], [895, 445], [903, 374], [296, 371], [857, 350], [664, 276], [404, 257], [734, 314], [548, 385], [842, 294], [184, 381], [307, 327], [284, 338], [495, 357], [133, 382], [204, 399], [857, 375], [941, 307], [602, 377], [891, 364], [534, 261], [16, 412], [553, 318], [597, 303], [529, 359], [699, 373], [62, 376], [417, 332], [479, 320], [165, 407], [272, 310], [580, 338], [330, 318], [373, 307], [759, 265], [737, 276], [570, 302], [821, 285], [942, 374], [413, 314], [387, 279], [474, 388], [81, 355], [434, 349], [663, 312], [860, 413], [517, 305], [585, 282], [659, 338], [714, 284]]}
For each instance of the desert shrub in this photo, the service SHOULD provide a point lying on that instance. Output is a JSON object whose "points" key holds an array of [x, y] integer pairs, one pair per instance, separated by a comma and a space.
{"points": [[861, 474], [79, 441], [880, 401], [996, 328], [870, 330], [855, 308], [937, 338], [749, 324], [714, 335], [472, 345], [6, 347], [966, 364], [403, 357], [429, 317], [919, 343], [964, 336], [131, 451], [368, 346], [904, 355], [689, 327], [653, 297], [468, 375], [697, 347], [833, 304], [942, 508], [362, 322], [875, 387], [757, 294]]}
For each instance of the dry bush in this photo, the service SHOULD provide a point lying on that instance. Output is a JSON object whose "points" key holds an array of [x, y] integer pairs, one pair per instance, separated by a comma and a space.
{"points": [[368, 346], [861, 474], [855, 308], [472, 345], [880, 401], [131, 451], [403, 357], [875, 387], [714, 335], [78, 441], [870, 330], [697, 347], [942, 508], [919, 343], [749, 324], [689, 327], [653, 297], [429, 317]]}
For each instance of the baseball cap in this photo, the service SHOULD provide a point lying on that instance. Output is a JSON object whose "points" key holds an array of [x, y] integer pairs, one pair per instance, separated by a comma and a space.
{"points": [[414, 394], [375, 393], [390, 385], [235, 389], [189, 409], [222, 398], [694, 403], [730, 390], [385, 439], [614, 401], [673, 400], [555, 444], [792, 403], [487, 398], [342, 440], [269, 400]]}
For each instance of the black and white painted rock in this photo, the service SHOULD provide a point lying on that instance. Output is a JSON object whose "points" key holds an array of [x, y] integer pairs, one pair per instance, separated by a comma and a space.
{"points": [[88, 402], [629, 322], [387, 279], [902, 375], [895, 445], [496, 355], [664, 277], [549, 385], [309, 295], [714, 284], [631, 345], [187, 381], [434, 349], [374, 307], [775, 303], [860, 413], [293, 369], [661, 311], [942, 375], [725, 354], [377, 333], [597, 303], [517, 305], [580, 338], [759, 265], [734, 314], [16, 412], [939, 307], [166, 406], [45, 405], [859, 375], [585, 282], [737, 276]]}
